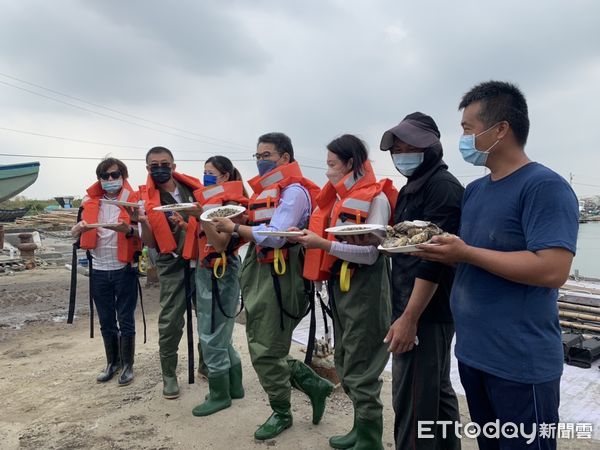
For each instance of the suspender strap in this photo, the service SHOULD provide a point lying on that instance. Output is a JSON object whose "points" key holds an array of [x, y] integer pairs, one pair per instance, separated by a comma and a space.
{"points": [[312, 330], [141, 304], [73, 290], [190, 331], [90, 264]]}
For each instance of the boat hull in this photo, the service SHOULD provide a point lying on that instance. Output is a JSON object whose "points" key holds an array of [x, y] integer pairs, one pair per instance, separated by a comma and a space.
{"points": [[15, 178]]}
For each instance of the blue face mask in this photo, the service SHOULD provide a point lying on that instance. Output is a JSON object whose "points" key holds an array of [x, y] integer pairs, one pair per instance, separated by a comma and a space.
{"points": [[407, 163], [209, 180], [112, 187], [470, 153], [265, 166]]}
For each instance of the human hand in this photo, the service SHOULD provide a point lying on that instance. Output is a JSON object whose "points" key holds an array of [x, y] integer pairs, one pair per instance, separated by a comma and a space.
{"points": [[195, 210], [121, 227], [310, 239], [447, 249], [223, 224], [133, 212], [402, 335]]}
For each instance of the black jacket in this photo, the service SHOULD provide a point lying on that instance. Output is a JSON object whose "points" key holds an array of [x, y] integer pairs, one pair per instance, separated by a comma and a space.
{"points": [[437, 200]]}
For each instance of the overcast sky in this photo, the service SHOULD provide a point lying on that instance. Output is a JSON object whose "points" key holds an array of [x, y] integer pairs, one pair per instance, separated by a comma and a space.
{"points": [[205, 78]]}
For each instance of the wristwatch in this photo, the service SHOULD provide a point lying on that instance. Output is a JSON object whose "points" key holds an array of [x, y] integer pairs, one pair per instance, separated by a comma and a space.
{"points": [[235, 233], [129, 233]]}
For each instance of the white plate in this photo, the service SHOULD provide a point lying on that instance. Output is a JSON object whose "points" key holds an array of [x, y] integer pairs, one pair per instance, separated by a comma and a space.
{"points": [[403, 249], [108, 201], [349, 230], [239, 209], [101, 225], [279, 233], [174, 207]]}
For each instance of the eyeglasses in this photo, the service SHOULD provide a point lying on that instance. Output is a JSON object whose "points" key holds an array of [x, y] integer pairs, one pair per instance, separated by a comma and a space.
{"points": [[264, 155], [114, 175]]}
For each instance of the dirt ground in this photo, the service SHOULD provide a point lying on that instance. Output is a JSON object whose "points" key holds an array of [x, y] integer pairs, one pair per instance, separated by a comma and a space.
{"points": [[50, 399]]}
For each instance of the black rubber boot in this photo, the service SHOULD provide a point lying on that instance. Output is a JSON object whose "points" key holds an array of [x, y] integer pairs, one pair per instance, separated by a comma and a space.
{"points": [[111, 347], [127, 352]]}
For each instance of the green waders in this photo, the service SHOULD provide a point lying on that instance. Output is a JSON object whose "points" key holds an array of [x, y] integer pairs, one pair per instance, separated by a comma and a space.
{"points": [[269, 332], [170, 318], [216, 330], [361, 319], [171, 275]]}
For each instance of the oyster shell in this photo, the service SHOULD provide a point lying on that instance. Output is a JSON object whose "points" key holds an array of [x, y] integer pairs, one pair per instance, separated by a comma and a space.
{"points": [[393, 242]]}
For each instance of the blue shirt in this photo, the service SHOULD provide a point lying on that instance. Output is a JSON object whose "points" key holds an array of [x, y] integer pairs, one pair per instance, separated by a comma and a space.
{"points": [[293, 210], [504, 328]]}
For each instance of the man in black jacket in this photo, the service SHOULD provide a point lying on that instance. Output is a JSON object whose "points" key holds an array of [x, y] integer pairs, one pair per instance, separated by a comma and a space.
{"points": [[422, 328]]}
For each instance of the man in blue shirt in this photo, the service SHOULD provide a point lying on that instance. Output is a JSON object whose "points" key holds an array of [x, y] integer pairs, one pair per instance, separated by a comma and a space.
{"points": [[517, 240]]}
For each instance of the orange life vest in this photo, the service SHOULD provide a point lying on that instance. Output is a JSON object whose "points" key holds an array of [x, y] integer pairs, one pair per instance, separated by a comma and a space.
{"points": [[346, 203], [267, 194], [126, 248], [158, 221], [196, 243]]}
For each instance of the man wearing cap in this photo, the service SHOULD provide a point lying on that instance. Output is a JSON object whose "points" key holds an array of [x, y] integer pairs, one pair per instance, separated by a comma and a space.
{"points": [[421, 386]]}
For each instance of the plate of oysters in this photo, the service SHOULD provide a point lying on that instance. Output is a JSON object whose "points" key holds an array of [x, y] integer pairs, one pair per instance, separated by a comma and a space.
{"points": [[405, 236], [227, 211], [350, 230]]}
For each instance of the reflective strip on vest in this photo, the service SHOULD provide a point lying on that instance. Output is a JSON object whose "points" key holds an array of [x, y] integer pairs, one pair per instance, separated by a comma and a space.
{"points": [[351, 181], [360, 205], [264, 214], [273, 193], [211, 192], [272, 179]]}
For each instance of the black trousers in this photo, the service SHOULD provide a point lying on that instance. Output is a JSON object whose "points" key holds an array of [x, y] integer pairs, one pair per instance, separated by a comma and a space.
{"points": [[422, 390]]}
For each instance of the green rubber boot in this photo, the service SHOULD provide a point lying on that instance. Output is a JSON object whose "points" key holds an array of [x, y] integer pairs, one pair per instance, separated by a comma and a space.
{"points": [[368, 434], [280, 420], [236, 389], [344, 440], [318, 389], [218, 398], [169, 375]]}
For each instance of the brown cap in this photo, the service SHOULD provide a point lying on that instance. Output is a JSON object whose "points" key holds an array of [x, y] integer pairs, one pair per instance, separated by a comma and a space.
{"points": [[416, 129]]}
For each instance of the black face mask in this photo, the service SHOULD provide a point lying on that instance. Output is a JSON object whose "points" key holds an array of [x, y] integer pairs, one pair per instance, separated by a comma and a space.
{"points": [[160, 174]]}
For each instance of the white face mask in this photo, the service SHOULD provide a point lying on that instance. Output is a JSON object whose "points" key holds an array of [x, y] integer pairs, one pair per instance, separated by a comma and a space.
{"points": [[407, 163], [112, 186]]}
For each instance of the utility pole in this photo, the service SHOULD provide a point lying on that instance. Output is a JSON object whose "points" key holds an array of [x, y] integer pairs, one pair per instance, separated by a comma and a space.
{"points": [[571, 179]]}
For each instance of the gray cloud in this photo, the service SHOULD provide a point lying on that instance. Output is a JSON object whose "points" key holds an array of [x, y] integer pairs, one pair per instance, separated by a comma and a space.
{"points": [[313, 69]]}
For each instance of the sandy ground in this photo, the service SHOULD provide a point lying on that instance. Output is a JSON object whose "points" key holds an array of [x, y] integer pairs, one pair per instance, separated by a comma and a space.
{"points": [[50, 399]]}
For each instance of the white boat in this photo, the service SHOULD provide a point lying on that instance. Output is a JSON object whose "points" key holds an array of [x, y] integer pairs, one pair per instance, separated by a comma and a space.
{"points": [[15, 178]]}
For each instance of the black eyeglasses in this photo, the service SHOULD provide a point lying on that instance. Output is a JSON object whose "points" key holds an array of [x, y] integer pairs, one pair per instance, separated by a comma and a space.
{"points": [[114, 175], [264, 155]]}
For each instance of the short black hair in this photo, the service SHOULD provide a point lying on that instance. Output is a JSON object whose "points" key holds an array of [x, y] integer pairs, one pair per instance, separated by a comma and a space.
{"points": [[107, 162], [500, 101], [154, 150], [283, 144], [348, 147]]}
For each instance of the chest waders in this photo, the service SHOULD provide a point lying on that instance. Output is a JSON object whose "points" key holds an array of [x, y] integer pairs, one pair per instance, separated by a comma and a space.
{"points": [[361, 319]]}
